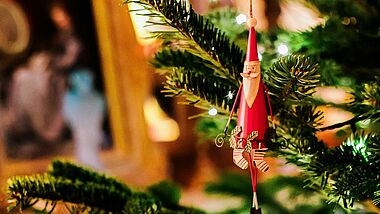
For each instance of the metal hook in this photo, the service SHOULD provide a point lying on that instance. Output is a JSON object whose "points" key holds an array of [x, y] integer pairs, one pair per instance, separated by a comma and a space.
{"points": [[220, 139]]}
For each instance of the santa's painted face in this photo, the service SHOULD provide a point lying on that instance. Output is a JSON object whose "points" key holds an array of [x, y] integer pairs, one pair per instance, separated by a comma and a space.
{"points": [[251, 70]]}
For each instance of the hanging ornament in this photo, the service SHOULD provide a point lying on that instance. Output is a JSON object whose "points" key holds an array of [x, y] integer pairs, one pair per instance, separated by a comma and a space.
{"points": [[247, 139]]}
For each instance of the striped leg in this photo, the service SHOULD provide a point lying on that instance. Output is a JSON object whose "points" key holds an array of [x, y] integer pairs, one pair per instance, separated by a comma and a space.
{"points": [[238, 158], [258, 158]]}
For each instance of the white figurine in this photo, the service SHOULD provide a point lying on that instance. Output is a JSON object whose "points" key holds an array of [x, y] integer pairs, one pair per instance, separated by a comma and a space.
{"points": [[84, 112]]}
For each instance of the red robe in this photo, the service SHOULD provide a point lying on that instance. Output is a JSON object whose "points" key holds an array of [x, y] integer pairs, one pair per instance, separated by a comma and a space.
{"points": [[252, 114]]}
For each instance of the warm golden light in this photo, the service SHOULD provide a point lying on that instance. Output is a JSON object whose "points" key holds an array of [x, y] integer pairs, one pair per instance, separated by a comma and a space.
{"points": [[332, 115], [161, 128]]}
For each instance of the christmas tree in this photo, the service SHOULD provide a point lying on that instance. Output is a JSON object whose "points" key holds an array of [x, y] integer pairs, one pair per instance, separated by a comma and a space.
{"points": [[203, 65]]}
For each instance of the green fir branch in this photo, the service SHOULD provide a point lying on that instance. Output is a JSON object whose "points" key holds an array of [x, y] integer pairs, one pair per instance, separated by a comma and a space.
{"points": [[167, 59], [167, 192], [376, 200], [297, 143], [225, 20], [362, 9], [369, 115], [371, 93], [345, 172], [27, 190], [199, 90], [141, 203], [303, 116], [70, 171], [292, 78], [374, 160], [84, 190], [195, 34]]}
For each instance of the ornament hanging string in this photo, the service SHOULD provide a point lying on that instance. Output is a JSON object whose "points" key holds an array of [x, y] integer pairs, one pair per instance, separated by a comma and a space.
{"points": [[252, 168], [250, 9]]}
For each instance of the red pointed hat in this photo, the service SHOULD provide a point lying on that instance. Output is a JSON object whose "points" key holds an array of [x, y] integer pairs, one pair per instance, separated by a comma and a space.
{"points": [[252, 54]]}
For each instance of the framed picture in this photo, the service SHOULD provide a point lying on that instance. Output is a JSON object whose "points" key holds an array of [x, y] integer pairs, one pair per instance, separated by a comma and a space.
{"points": [[14, 28]]}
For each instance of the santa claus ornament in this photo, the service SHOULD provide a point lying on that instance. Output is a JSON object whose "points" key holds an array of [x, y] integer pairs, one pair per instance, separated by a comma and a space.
{"points": [[247, 139]]}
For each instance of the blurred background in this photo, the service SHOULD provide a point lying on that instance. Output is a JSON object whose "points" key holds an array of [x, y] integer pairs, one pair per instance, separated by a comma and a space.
{"points": [[76, 84]]}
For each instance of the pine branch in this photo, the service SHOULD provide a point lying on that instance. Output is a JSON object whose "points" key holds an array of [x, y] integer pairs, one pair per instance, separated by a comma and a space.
{"points": [[70, 171], [141, 203], [376, 200], [167, 59], [199, 90], [362, 9], [297, 144], [196, 35], [351, 122], [357, 22], [292, 78], [371, 93], [168, 193], [374, 159], [27, 190], [345, 172], [296, 131], [90, 192], [225, 20], [303, 116]]}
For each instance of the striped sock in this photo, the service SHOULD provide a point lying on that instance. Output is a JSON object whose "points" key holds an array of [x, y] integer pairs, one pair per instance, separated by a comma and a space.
{"points": [[262, 165], [258, 158], [238, 158]]}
